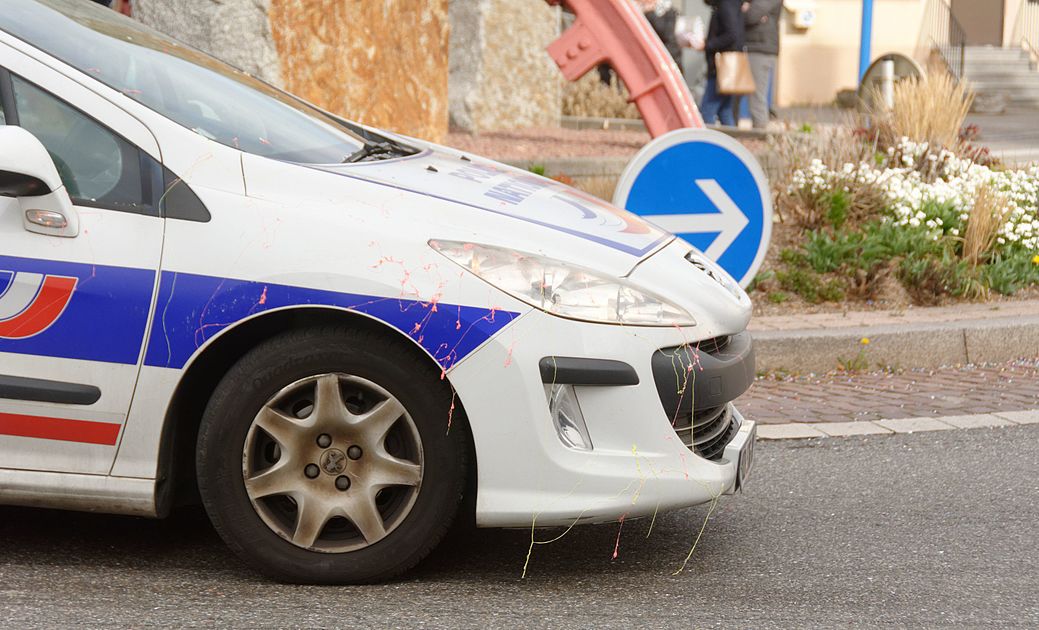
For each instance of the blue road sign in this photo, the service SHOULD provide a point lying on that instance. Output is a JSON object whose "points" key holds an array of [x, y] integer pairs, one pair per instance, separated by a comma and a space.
{"points": [[708, 189]]}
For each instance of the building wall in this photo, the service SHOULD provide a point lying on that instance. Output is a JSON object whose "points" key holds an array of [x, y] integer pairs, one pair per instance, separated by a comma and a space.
{"points": [[1015, 10], [815, 63], [501, 75], [1010, 10], [380, 62]]}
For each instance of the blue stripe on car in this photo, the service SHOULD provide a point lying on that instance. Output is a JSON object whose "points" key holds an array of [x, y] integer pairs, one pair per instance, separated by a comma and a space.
{"points": [[191, 309], [106, 317], [104, 320], [5, 281]]}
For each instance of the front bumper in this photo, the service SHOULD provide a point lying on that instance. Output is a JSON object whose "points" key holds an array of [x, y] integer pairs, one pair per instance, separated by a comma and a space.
{"points": [[639, 464], [696, 381]]}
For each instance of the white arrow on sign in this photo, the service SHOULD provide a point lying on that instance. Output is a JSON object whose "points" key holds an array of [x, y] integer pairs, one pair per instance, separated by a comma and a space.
{"points": [[729, 222]]}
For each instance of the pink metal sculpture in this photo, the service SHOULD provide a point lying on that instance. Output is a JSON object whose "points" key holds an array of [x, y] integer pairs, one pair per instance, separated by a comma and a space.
{"points": [[614, 31]]}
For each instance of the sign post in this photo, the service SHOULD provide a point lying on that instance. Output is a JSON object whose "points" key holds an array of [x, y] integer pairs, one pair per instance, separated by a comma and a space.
{"points": [[866, 37]]}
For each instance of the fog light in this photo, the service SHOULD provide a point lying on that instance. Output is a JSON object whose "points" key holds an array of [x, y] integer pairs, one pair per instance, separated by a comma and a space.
{"points": [[567, 417]]}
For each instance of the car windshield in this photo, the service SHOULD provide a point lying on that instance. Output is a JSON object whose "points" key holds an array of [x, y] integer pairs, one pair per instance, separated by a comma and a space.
{"points": [[186, 85]]}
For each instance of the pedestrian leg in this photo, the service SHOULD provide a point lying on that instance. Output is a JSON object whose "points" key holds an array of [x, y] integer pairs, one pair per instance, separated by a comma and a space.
{"points": [[710, 102], [761, 66], [726, 110]]}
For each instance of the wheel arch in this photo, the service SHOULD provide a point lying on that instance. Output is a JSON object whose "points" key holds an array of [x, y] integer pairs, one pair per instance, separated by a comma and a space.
{"points": [[177, 483]]}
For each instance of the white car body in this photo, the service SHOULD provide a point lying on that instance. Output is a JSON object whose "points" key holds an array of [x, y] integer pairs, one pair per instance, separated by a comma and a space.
{"points": [[154, 295]]}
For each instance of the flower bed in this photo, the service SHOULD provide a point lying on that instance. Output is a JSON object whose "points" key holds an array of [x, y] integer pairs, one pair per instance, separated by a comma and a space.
{"points": [[944, 224]]}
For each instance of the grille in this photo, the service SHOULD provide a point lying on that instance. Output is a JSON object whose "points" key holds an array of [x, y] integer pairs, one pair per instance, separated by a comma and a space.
{"points": [[706, 432], [712, 346]]}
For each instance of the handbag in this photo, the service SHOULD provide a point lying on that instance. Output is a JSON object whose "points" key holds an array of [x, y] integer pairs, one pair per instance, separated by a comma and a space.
{"points": [[733, 70]]}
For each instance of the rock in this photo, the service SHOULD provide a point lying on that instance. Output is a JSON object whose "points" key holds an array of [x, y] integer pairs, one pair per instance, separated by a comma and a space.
{"points": [[500, 74], [381, 63], [994, 102], [848, 99], [238, 32]]}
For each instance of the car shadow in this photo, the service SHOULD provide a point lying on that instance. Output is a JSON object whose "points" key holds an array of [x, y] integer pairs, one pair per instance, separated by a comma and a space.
{"points": [[186, 542]]}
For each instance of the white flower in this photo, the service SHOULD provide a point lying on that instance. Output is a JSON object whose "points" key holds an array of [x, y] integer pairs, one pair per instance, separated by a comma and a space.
{"points": [[916, 196]]}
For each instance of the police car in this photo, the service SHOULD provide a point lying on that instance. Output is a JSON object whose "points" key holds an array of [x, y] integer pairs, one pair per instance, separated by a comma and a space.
{"points": [[332, 336]]}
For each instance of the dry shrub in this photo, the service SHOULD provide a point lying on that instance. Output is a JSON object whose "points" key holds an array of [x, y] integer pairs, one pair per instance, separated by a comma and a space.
{"points": [[930, 109], [835, 146], [601, 186], [848, 202], [589, 96], [866, 284], [928, 285], [986, 217]]}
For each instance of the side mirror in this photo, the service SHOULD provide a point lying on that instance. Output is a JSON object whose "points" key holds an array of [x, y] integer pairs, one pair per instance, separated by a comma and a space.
{"points": [[28, 174]]}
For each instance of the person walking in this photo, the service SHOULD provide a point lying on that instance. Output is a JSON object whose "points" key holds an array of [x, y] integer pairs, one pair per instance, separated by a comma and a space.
{"points": [[663, 17], [724, 34], [761, 24]]}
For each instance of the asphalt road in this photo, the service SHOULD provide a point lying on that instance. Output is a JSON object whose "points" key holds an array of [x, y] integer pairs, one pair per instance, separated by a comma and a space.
{"points": [[930, 529]]}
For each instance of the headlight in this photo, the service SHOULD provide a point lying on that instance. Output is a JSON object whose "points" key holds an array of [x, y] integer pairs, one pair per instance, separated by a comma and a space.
{"points": [[567, 417], [563, 289]]}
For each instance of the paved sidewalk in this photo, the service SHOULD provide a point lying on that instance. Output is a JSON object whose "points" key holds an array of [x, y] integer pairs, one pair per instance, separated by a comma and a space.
{"points": [[1013, 136], [913, 315], [878, 396]]}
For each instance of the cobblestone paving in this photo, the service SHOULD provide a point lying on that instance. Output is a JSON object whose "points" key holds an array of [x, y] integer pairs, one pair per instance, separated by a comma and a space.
{"points": [[876, 396]]}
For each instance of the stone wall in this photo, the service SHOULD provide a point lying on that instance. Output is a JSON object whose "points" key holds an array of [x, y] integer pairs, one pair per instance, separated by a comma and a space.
{"points": [[501, 75], [380, 62]]}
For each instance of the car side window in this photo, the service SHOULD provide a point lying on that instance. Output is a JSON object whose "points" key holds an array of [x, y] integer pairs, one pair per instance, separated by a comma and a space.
{"points": [[99, 168], [6, 98]]}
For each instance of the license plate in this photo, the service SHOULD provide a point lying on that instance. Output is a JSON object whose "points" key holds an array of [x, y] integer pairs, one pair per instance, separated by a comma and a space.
{"points": [[746, 459]]}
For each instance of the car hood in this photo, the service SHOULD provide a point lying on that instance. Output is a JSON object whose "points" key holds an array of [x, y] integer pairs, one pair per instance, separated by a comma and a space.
{"points": [[380, 211], [532, 213]]}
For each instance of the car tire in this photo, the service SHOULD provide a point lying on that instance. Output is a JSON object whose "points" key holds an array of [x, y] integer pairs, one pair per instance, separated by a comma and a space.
{"points": [[271, 469]]}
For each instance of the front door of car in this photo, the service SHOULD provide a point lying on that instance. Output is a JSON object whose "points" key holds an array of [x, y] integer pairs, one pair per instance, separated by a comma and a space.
{"points": [[74, 309]]}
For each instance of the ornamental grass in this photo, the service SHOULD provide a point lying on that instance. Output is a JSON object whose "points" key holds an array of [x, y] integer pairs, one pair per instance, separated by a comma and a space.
{"points": [[930, 109]]}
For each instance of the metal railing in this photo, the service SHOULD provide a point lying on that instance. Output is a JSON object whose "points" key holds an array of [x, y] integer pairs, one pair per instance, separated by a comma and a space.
{"points": [[943, 34], [1026, 28]]}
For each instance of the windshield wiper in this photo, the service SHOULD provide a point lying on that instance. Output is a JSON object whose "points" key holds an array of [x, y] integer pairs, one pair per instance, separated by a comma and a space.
{"points": [[372, 151]]}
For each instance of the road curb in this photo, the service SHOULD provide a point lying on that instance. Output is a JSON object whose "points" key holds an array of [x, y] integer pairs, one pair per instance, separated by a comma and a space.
{"points": [[918, 345], [813, 430]]}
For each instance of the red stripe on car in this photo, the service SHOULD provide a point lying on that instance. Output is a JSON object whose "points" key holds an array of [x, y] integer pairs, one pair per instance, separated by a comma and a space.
{"points": [[82, 431]]}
